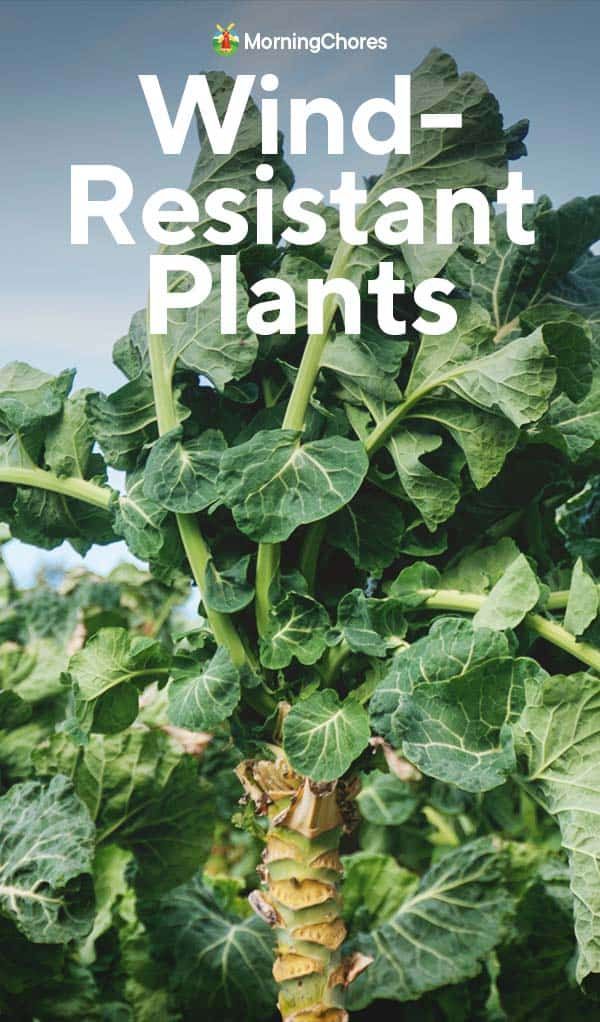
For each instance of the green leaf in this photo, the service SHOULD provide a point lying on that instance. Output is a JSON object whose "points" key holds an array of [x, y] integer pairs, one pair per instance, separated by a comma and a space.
{"points": [[459, 729], [273, 483], [109, 673], [110, 885], [69, 440], [578, 521], [513, 596], [451, 648], [370, 529], [385, 800], [560, 730], [194, 339], [374, 888], [180, 475], [567, 337], [234, 169], [29, 397], [442, 933], [473, 156], [507, 278], [584, 600], [14, 711], [202, 696], [227, 591], [356, 624], [214, 957], [147, 528], [322, 736], [147, 798], [516, 379], [353, 360], [46, 848], [297, 628], [577, 422], [124, 422], [435, 496], [414, 584], [486, 439], [479, 570]]}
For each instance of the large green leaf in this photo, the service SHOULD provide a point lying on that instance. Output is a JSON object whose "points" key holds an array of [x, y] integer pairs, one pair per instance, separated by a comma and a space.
{"points": [[385, 800], [370, 529], [143, 796], [357, 624], [202, 696], [507, 278], [355, 359], [515, 379], [29, 397], [69, 439], [474, 155], [236, 169], [442, 933], [227, 590], [486, 439], [194, 339], [215, 958], [46, 849], [273, 483], [322, 735], [577, 423], [108, 674], [146, 527], [297, 628], [584, 600], [123, 422], [561, 740], [512, 597], [459, 729], [451, 648], [374, 888], [180, 475], [433, 494]]}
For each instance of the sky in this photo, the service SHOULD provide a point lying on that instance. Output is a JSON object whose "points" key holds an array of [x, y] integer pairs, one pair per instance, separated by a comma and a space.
{"points": [[69, 94]]}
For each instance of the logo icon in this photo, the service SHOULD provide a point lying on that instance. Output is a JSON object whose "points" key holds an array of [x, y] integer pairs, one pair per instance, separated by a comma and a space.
{"points": [[225, 41]]}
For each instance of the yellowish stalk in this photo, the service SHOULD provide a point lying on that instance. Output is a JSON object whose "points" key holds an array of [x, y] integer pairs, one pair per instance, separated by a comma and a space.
{"points": [[301, 896]]}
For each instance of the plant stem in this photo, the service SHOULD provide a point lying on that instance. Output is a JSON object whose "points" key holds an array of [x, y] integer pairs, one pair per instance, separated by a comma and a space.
{"points": [[469, 603], [301, 872], [70, 486], [197, 551], [309, 552], [336, 656], [267, 566], [387, 426], [267, 563], [311, 358]]}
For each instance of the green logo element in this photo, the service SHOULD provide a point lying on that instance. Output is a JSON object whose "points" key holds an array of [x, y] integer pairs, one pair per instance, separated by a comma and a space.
{"points": [[225, 41]]}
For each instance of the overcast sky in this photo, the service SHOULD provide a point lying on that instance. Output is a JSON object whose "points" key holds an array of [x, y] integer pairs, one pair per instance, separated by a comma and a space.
{"points": [[70, 94]]}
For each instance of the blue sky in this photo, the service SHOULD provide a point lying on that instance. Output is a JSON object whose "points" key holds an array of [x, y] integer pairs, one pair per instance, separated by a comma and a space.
{"points": [[70, 94]]}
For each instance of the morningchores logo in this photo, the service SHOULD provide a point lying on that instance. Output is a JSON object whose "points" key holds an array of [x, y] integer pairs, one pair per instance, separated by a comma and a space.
{"points": [[226, 43]]}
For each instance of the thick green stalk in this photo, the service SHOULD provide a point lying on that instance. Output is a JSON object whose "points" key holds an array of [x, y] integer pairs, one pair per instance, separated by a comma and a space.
{"points": [[388, 425], [193, 541], [309, 552], [267, 566], [267, 563], [469, 603], [68, 486], [311, 358]]}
